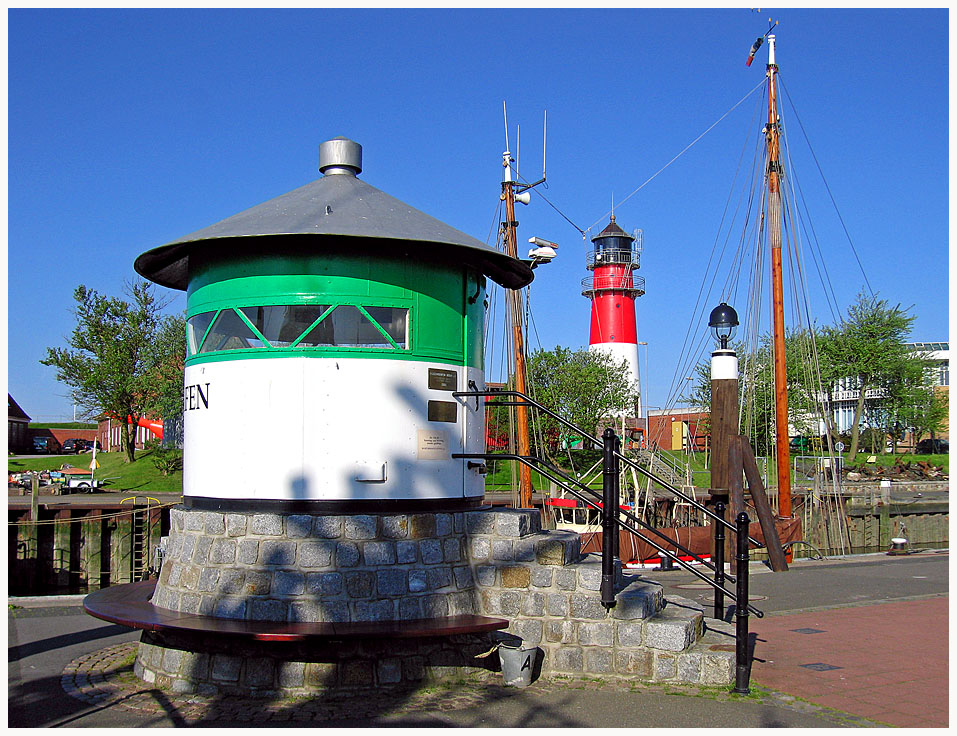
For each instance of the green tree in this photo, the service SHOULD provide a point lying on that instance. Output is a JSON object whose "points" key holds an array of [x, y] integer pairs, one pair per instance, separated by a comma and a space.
{"points": [[867, 352], [756, 388], [124, 360], [582, 387]]}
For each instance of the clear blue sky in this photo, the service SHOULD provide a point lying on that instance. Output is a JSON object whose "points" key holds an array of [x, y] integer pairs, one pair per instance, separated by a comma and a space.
{"points": [[128, 129]]}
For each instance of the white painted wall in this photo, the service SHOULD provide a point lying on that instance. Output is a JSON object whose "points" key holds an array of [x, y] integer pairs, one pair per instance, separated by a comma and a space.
{"points": [[327, 429]]}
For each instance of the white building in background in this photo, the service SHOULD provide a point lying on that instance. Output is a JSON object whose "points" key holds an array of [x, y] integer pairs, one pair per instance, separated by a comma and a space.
{"points": [[845, 394]]}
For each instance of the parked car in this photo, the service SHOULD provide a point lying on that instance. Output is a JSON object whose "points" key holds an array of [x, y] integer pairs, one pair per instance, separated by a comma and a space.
{"points": [[45, 446], [932, 447], [74, 445]]}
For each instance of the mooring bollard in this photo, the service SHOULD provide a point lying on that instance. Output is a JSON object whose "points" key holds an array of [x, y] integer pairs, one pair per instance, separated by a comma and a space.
{"points": [[718, 560], [742, 669], [609, 517]]}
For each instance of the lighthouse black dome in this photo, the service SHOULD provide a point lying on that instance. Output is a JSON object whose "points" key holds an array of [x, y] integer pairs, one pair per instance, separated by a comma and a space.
{"points": [[321, 214]]}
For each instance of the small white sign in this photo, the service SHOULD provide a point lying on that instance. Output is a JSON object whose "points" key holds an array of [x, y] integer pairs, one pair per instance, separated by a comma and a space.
{"points": [[432, 445]]}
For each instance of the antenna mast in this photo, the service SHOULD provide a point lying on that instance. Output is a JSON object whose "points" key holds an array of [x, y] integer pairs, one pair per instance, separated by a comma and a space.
{"points": [[511, 187]]}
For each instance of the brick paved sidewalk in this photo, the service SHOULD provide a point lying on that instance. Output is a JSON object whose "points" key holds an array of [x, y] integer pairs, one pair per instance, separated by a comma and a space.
{"points": [[886, 662]]}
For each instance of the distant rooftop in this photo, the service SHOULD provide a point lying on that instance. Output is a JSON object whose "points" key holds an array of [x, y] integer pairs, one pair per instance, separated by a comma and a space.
{"points": [[928, 347]]}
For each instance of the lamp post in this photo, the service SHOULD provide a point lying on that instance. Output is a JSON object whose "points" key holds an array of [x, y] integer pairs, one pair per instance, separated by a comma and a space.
{"points": [[724, 408]]}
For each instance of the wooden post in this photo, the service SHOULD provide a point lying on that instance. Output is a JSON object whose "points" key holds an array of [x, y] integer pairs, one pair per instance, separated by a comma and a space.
{"points": [[763, 507], [724, 427]]}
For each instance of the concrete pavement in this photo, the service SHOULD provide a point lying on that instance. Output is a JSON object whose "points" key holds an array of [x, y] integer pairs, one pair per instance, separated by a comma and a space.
{"points": [[68, 669]]}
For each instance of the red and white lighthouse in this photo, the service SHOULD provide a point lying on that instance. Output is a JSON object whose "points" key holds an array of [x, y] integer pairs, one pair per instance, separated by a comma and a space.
{"points": [[613, 288]]}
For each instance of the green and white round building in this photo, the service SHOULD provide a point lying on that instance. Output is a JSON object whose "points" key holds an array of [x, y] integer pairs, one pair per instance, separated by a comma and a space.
{"points": [[326, 331]]}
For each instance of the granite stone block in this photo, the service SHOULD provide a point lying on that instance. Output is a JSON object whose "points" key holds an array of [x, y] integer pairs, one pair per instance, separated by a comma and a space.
{"points": [[248, 552], [451, 549], [598, 634], [666, 666], [443, 525], [360, 527], [566, 579], [542, 576], [274, 552], [360, 583], [502, 549], [479, 522], [439, 578], [431, 551], [286, 583], [260, 671], [324, 584], [587, 607], [213, 523], [529, 630], [533, 604], [230, 607], [418, 581], [406, 552], [236, 525], [378, 553], [268, 609], [298, 525], [347, 554], [480, 548], [223, 552], [201, 550], [395, 527], [637, 662], [598, 660], [389, 671], [422, 526], [569, 659], [557, 604], [485, 575], [257, 583], [327, 527], [463, 577], [630, 635], [392, 582], [511, 603], [515, 576], [208, 579], [291, 674], [266, 525], [316, 553], [226, 667], [562, 631]]}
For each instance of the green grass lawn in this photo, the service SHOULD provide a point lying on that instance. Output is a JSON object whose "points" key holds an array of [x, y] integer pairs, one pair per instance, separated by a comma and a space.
{"points": [[115, 474]]}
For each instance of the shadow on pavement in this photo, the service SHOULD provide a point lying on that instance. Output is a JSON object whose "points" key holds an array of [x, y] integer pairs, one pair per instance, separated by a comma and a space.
{"points": [[21, 651]]}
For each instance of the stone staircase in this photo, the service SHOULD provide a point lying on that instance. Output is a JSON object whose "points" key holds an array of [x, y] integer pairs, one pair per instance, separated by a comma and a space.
{"points": [[551, 594]]}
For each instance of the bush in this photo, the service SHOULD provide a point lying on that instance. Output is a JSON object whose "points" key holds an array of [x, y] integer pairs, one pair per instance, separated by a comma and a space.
{"points": [[167, 460]]}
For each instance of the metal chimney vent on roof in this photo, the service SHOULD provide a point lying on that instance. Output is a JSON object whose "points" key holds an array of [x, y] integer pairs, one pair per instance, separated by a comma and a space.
{"points": [[340, 156]]}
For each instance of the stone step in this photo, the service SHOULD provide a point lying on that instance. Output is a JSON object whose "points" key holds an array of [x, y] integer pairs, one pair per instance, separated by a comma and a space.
{"points": [[676, 626]]}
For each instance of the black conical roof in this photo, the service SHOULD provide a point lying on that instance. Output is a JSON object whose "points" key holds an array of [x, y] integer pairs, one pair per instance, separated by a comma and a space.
{"points": [[611, 230], [322, 213]]}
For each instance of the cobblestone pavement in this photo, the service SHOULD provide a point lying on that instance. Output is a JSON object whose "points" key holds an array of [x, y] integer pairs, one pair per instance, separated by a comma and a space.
{"points": [[105, 678]]}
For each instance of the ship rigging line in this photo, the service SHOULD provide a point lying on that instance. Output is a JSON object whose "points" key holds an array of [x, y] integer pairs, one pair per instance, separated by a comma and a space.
{"points": [[827, 187], [683, 151]]}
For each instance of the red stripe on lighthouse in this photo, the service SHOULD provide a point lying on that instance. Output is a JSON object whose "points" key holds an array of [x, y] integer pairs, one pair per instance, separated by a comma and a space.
{"points": [[612, 312]]}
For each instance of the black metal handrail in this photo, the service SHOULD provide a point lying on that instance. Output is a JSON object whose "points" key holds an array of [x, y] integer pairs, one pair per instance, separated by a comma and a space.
{"points": [[537, 463], [598, 444]]}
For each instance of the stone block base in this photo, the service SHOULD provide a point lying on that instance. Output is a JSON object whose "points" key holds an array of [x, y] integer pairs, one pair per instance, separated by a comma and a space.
{"points": [[187, 663]]}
